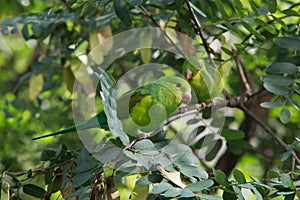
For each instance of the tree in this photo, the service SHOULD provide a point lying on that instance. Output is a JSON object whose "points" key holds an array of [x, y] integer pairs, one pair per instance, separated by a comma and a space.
{"points": [[46, 54]]}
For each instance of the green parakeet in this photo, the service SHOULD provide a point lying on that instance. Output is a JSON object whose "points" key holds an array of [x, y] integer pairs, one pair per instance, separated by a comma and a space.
{"points": [[204, 79], [142, 109]]}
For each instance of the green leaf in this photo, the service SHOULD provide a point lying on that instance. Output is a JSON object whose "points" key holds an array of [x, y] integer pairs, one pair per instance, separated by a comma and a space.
{"points": [[265, 26], [60, 149], [217, 122], [47, 154], [36, 83], [271, 104], [221, 8], [294, 103], [252, 30], [239, 176], [134, 2], [272, 5], [80, 179], [173, 192], [275, 89], [282, 68], [285, 156], [186, 193], [146, 41], [214, 151], [286, 180], [25, 32], [221, 178], [34, 190], [291, 12], [277, 79], [230, 134], [288, 42], [273, 174], [227, 51], [253, 189], [161, 187], [36, 29], [193, 171], [144, 145], [238, 192], [285, 116], [149, 179], [79, 192], [122, 12], [242, 12], [297, 88], [209, 197], [254, 8], [281, 22], [201, 185], [87, 165]]}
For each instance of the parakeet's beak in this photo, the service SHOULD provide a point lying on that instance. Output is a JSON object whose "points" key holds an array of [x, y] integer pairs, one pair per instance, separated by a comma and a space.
{"points": [[186, 97], [188, 74]]}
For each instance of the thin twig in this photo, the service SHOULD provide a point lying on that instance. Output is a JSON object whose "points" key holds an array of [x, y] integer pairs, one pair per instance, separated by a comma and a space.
{"points": [[40, 170], [67, 5], [147, 14], [268, 130], [241, 70], [198, 30]]}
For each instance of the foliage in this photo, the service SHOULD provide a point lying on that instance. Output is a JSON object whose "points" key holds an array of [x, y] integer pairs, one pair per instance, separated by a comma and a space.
{"points": [[254, 44]]}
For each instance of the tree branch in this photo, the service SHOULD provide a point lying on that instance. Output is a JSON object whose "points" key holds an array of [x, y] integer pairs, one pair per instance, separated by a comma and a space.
{"points": [[198, 30], [268, 130], [243, 73]]}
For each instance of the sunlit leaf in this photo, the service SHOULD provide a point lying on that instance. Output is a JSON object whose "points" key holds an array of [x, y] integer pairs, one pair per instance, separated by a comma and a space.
{"points": [[254, 8], [271, 104], [252, 30], [253, 189], [239, 176], [36, 83], [281, 22], [146, 41]]}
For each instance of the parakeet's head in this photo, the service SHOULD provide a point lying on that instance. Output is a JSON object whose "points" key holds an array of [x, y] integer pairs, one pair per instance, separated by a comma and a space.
{"points": [[179, 86]]}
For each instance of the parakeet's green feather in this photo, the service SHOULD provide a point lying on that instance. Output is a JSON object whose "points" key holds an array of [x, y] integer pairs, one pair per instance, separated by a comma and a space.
{"points": [[204, 79], [99, 119], [144, 108]]}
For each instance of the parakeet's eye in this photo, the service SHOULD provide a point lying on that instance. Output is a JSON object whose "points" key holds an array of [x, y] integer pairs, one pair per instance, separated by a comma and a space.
{"points": [[178, 85]]}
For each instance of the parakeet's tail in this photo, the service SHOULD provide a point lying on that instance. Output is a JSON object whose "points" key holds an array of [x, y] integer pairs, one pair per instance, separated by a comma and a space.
{"points": [[98, 120]]}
